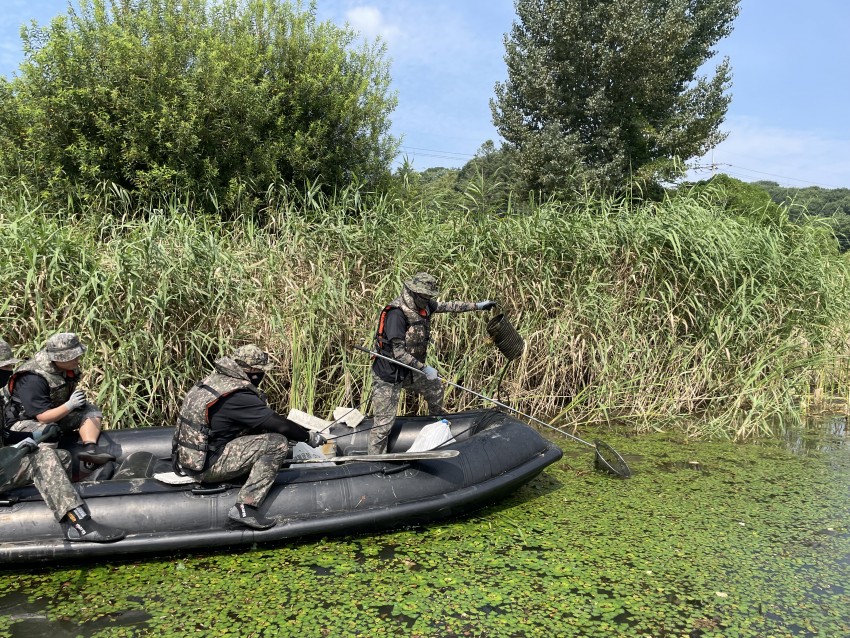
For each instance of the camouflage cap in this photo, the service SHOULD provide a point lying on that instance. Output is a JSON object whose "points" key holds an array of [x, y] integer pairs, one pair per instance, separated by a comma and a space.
{"points": [[65, 346], [6, 358], [250, 356], [423, 283]]}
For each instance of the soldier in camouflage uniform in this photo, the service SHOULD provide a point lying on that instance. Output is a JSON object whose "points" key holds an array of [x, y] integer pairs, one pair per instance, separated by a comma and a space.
{"points": [[226, 430], [44, 390], [47, 468], [404, 331]]}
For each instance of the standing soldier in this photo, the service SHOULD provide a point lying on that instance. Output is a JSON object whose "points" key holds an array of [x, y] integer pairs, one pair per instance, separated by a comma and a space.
{"points": [[47, 469], [404, 331], [226, 429], [44, 390]]}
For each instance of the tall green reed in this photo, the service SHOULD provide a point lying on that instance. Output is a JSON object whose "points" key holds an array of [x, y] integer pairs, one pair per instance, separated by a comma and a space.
{"points": [[641, 314]]}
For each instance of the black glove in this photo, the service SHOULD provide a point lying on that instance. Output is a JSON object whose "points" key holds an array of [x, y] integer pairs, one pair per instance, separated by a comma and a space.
{"points": [[316, 439], [50, 432]]}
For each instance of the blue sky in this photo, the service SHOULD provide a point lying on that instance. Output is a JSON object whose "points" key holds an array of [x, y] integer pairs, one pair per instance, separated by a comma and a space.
{"points": [[789, 120]]}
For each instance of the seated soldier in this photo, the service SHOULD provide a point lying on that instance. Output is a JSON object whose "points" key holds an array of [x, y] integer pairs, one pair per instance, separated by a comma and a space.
{"points": [[47, 469], [226, 429], [44, 390]]}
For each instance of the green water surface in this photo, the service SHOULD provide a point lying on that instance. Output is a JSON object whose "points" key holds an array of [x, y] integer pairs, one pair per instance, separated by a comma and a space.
{"points": [[706, 539]]}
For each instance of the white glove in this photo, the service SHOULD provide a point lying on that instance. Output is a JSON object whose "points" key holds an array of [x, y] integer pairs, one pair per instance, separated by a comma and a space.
{"points": [[485, 305], [28, 443], [430, 373], [77, 400]]}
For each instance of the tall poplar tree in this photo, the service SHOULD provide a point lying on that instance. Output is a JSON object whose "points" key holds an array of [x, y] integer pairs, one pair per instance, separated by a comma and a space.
{"points": [[603, 91]]}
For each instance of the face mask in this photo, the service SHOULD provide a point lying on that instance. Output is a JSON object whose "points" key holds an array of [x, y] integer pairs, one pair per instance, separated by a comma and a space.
{"points": [[5, 375], [256, 377], [420, 301]]}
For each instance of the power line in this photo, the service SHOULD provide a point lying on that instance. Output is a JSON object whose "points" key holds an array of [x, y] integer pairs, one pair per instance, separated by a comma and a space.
{"points": [[793, 179], [419, 153], [431, 150], [749, 172], [450, 156]]}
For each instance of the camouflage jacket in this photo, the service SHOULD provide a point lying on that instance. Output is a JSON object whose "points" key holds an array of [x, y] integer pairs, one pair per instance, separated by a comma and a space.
{"points": [[417, 335], [61, 386], [190, 445]]}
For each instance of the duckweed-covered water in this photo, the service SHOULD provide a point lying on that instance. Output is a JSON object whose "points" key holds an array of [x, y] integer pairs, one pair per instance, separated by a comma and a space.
{"points": [[706, 539]]}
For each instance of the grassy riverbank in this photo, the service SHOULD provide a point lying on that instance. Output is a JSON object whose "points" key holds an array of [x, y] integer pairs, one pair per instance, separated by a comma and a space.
{"points": [[637, 313]]}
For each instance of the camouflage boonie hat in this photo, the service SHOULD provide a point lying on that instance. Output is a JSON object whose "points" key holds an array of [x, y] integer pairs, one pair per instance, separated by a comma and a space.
{"points": [[64, 346], [6, 358], [423, 283], [251, 356]]}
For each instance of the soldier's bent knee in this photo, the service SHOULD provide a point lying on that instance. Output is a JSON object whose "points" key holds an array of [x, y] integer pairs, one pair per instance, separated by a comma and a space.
{"points": [[276, 442]]}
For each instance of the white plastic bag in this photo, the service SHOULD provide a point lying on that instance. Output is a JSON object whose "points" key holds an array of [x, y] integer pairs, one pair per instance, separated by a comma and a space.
{"points": [[432, 435], [303, 451]]}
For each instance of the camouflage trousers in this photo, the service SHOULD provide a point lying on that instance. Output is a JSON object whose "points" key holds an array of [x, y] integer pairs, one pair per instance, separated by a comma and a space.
{"points": [[385, 397], [70, 423], [48, 470], [257, 455]]}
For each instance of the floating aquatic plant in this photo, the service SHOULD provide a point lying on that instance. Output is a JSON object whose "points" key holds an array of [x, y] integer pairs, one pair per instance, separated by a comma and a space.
{"points": [[754, 544]]}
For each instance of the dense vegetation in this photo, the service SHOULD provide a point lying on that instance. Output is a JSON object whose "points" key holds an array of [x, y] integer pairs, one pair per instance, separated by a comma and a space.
{"points": [[832, 204], [604, 92], [490, 181], [219, 101], [635, 312]]}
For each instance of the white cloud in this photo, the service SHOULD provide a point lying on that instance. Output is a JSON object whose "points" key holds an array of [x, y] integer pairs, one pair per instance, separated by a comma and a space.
{"points": [[371, 23], [792, 157]]}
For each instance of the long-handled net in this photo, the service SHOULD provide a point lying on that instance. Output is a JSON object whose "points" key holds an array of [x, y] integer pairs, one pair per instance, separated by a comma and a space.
{"points": [[607, 458]]}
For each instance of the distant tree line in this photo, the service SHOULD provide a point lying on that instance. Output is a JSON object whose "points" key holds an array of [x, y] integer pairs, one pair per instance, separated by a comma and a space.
{"points": [[489, 183], [833, 204]]}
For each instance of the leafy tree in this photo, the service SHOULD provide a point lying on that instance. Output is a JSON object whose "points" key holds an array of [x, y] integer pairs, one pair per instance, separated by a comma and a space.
{"points": [[211, 98], [813, 200], [833, 204], [599, 91], [432, 189], [740, 198], [488, 180], [483, 185]]}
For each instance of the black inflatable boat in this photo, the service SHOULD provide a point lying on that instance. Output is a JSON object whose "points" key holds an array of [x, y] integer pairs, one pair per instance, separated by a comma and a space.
{"points": [[496, 454]]}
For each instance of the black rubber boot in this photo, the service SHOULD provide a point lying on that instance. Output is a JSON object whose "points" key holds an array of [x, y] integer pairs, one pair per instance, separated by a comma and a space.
{"points": [[79, 527], [94, 455], [249, 516]]}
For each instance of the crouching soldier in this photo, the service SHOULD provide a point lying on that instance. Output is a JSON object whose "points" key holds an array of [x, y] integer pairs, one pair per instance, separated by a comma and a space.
{"points": [[44, 390], [47, 468], [226, 430]]}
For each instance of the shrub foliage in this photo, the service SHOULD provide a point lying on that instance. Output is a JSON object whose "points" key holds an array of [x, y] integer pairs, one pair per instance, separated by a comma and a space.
{"points": [[220, 99]]}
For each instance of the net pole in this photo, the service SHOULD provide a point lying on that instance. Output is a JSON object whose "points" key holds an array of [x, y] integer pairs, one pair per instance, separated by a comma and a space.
{"points": [[481, 396]]}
